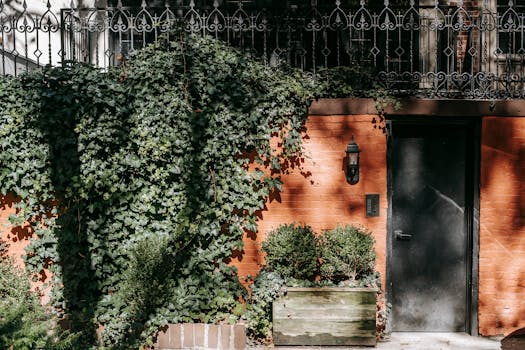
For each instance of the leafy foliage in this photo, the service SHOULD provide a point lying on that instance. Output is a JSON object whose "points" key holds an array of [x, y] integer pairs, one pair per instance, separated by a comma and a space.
{"points": [[171, 148], [266, 288], [291, 260], [291, 251], [383, 312], [139, 182], [356, 81], [347, 254], [152, 278], [343, 81], [4, 246], [24, 324]]}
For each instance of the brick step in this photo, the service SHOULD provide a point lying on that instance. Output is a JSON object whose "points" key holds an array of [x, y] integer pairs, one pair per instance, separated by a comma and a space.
{"points": [[201, 336]]}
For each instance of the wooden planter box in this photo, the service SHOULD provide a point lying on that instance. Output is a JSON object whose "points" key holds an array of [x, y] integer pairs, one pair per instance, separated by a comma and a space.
{"points": [[325, 316]]}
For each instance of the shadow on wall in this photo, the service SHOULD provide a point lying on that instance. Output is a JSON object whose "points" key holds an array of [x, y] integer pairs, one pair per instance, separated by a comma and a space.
{"points": [[250, 259], [330, 136], [21, 233], [502, 286], [504, 158], [315, 191], [14, 239]]}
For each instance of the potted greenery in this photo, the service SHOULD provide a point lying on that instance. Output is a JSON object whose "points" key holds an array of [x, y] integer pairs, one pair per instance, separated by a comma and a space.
{"points": [[323, 287]]}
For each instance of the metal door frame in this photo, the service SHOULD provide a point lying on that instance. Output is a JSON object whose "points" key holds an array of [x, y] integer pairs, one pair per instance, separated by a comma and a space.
{"points": [[473, 155]]}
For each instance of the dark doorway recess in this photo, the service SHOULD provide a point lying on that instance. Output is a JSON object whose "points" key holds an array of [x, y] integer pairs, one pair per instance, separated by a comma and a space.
{"points": [[432, 237]]}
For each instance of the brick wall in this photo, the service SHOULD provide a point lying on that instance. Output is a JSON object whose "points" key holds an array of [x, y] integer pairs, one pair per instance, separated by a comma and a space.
{"points": [[324, 199], [502, 222]]}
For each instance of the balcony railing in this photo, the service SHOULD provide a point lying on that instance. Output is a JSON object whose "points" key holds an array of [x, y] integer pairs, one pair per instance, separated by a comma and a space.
{"points": [[433, 48]]}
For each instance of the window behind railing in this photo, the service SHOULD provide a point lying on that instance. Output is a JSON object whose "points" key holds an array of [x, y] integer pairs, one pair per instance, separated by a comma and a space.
{"points": [[511, 39]]}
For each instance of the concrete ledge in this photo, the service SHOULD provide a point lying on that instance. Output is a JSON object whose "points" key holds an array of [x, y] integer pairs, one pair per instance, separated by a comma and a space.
{"points": [[201, 336], [421, 107]]}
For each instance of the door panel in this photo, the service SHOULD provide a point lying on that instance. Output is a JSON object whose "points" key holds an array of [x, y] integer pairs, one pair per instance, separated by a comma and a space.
{"points": [[429, 239]]}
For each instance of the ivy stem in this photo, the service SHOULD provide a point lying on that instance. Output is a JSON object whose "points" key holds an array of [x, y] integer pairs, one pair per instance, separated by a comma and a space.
{"points": [[212, 172], [78, 219], [185, 67]]}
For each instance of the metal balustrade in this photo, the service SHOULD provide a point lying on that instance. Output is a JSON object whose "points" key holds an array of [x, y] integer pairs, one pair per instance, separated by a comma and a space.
{"points": [[433, 48]]}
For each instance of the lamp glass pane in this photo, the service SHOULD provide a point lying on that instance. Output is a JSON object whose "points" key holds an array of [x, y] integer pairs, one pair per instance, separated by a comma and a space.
{"points": [[353, 158]]}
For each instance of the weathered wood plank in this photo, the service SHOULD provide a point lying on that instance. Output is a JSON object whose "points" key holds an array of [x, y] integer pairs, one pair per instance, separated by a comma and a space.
{"points": [[328, 314], [321, 340], [319, 316], [363, 297], [317, 332], [313, 301], [330, 289], [339, 328]]}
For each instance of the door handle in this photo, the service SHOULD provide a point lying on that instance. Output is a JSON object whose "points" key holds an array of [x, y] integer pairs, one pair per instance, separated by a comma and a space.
{"points": [[400, 236]]}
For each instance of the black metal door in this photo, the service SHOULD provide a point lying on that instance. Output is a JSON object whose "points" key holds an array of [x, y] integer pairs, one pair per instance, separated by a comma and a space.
{"points": [[429, 240]]}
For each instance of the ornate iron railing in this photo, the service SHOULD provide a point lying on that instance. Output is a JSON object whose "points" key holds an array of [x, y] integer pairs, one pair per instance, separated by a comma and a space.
{"points": [[436, 48]]}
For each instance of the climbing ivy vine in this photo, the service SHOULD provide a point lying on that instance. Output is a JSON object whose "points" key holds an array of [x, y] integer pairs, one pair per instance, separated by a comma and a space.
{"points": [[139, 182]]}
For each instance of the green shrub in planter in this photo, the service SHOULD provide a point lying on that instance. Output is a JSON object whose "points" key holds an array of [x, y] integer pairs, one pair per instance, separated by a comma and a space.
{"points": [[291, 251], [347, 254]]}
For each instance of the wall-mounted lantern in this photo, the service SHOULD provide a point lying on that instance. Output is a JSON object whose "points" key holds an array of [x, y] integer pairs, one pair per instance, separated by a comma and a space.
{"points": [[352, 162]]}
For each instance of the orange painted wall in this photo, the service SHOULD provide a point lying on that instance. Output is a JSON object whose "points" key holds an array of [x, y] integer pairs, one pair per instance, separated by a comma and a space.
{"points": [[502, 226], [324, 199], [16, 238]]}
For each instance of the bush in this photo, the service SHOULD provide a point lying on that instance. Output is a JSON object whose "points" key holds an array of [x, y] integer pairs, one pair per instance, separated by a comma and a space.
{"points": [[347, 254], [155, 291], [142, 291], [24, 324], [291, 251], [266, 288]]}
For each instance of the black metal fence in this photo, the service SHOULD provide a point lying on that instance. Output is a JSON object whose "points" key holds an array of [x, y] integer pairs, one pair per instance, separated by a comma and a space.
{"points": [[453, 49]]}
